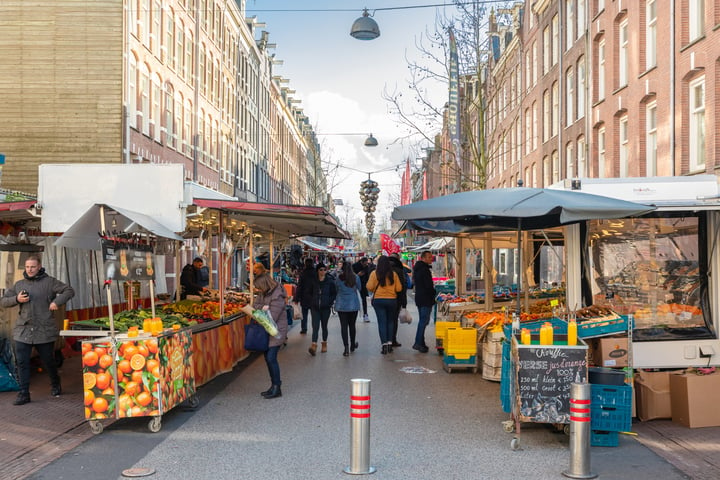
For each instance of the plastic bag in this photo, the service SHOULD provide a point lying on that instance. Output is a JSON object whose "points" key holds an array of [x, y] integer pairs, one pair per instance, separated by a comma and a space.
{"points": [[405, 316], [263, 318], [297, 311]]}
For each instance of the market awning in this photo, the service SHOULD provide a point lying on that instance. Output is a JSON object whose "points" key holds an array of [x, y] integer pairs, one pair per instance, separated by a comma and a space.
{"points": [[84, 232], [314, 245], [17, 211], [435, 244], [283, 221]]}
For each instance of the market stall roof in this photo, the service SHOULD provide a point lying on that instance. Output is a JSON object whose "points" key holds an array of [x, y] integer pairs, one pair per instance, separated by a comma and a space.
{"points": [[17, 211], [314, 245], [283, 221], [434, 244], [83, 233]]}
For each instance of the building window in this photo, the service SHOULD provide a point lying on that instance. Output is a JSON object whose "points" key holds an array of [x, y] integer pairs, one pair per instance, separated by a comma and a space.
{"points": [[535, 63], [528, 132], [168, 48], [650, 34], [624, 146], [202, 72], [555, 109], [580, 18], [697, 19], [569, 23], [697, 124], [623, 54], [581, 86], [170, 138], [651, 140], [528, 70], [132, 92], [547, 171], [187, 129], [601, 70], [581, 167], [569, 96], [179, 57], [601, 153], [144, 107], [535, 131], [156, 106], [145, 21], [555, 39], [189, 62], [569, 160], [555, 166], [547, 118], [155, 34], [547, 49]]}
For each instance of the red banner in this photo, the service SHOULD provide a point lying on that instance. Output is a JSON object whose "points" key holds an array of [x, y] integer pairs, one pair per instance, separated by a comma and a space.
{"points": [[388, 245]]}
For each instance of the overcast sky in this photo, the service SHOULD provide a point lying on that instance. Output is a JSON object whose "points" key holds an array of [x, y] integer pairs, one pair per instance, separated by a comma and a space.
{"points": [[340, 81]]}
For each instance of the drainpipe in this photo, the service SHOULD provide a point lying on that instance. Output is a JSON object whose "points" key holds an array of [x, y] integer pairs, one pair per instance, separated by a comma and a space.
{"points": [[672, 88], [126, 84]]}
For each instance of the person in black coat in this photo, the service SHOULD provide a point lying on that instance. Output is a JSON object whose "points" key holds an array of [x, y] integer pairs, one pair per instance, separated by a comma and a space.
{"points": [[424, 297], [190, 279], [323, 299], [305, 291], [362, 269], [398, 268]]}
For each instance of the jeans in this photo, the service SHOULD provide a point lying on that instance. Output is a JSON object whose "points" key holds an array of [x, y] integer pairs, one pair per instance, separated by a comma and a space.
{"points": [[303, 321], [347, 324], [46, 351], [273, 365], [363, 299], [320, 317], [384, 311], [423, 320]]}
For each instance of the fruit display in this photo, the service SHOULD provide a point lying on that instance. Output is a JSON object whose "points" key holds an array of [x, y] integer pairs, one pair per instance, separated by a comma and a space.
{"points": [[136, 378], [595, 312]]}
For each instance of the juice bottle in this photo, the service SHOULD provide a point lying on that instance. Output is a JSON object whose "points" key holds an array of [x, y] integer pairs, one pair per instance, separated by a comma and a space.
{"points": [[543, 334], [549, 335], [147, 326], [525, 336], [572, 333]]}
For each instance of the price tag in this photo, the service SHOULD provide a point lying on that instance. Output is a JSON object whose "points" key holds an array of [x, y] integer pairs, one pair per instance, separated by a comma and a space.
{"points": [[554, 302]]}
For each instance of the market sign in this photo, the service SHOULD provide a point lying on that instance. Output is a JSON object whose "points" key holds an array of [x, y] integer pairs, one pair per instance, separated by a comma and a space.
{"points": [[125, 261]]}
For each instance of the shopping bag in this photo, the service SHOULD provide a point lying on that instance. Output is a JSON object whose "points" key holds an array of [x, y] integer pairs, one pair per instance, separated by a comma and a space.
{"points": [[297, 311], [256, 338], [405, 316]]}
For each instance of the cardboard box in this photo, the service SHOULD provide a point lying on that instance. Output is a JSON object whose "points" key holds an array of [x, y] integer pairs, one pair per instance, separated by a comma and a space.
{"points": [[693, 400], [653, 394], [608, 351]]}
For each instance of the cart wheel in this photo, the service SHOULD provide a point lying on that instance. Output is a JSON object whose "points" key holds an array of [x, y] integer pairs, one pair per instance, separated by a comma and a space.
{"points": [[155, 424], [508, 426], [515, 444], [566, 429], [194, 401], [96, 427]]}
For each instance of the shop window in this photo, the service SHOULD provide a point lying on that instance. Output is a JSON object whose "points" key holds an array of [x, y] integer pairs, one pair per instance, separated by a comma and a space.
{"points": [[651, 268]]}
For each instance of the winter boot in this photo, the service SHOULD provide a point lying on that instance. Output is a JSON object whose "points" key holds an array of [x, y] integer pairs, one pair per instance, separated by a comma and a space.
{"points": [[274, 392], [312, 349], [23, 397], [324, 347], [266, 392]]}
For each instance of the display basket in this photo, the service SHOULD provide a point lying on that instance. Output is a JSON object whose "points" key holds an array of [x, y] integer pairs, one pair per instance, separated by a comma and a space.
{"points": [[602, 327], [440, 330], [461, 342], [603, 438]]}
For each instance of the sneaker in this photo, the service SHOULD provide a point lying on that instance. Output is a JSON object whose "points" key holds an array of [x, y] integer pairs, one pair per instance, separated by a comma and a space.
{"points": [[56, 391], [420, 348], [395, 343], [366, 319]]}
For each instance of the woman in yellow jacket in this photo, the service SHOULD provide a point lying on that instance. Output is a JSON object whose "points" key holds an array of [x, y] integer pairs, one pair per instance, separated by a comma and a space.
{"points": [[385, 285]]}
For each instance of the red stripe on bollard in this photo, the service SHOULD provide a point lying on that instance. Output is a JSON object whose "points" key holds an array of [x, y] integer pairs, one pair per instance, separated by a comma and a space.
{"points": [[359, 415], [580, 402], [359, 399], [360, 407], [579, 410], [579, 419]]}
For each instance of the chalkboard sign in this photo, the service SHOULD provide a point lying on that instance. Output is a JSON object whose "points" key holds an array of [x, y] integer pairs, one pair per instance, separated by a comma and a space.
{"points": [[544, 374]]}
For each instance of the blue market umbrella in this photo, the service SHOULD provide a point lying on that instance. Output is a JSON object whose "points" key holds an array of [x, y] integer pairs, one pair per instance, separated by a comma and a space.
{"points": [[517, 208]]}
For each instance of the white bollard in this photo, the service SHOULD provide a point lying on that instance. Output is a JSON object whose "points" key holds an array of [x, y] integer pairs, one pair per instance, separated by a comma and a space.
{"points": [[580, 400], [360, 428]]}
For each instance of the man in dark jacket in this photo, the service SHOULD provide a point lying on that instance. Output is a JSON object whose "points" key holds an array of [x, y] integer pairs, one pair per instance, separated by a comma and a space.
{"points": [[190, 279], [39, 296], [424, 297], [398, 268], [304, 295], [362, 270]]}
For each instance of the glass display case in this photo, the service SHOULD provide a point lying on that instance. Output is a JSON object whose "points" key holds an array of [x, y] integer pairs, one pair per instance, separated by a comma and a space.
{"points": [[654, 268]]}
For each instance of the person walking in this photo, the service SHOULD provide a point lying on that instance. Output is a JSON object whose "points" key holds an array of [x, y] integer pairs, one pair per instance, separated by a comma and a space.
{"points": [[398, 268], [304, 292], [363, 271], [39, 295], [272, 295], [190, 279], [424, 297], [385, 285], [323, 298], [347, 304]]}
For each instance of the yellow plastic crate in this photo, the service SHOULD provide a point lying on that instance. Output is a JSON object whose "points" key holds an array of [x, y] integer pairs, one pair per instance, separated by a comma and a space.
{"points": [[461, 342], [440, 330]]}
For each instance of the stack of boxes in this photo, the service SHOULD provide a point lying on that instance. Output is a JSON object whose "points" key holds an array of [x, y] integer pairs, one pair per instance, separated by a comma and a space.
{"points": [[610, 412], [441, 331]]}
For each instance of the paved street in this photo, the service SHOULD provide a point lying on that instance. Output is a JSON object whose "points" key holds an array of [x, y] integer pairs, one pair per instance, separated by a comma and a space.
{"points": [[423, 425]]}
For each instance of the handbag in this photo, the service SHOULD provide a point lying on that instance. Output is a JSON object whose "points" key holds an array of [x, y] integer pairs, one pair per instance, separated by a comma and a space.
{"points": [[256, 338], [405, 316], [297, 311]]}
